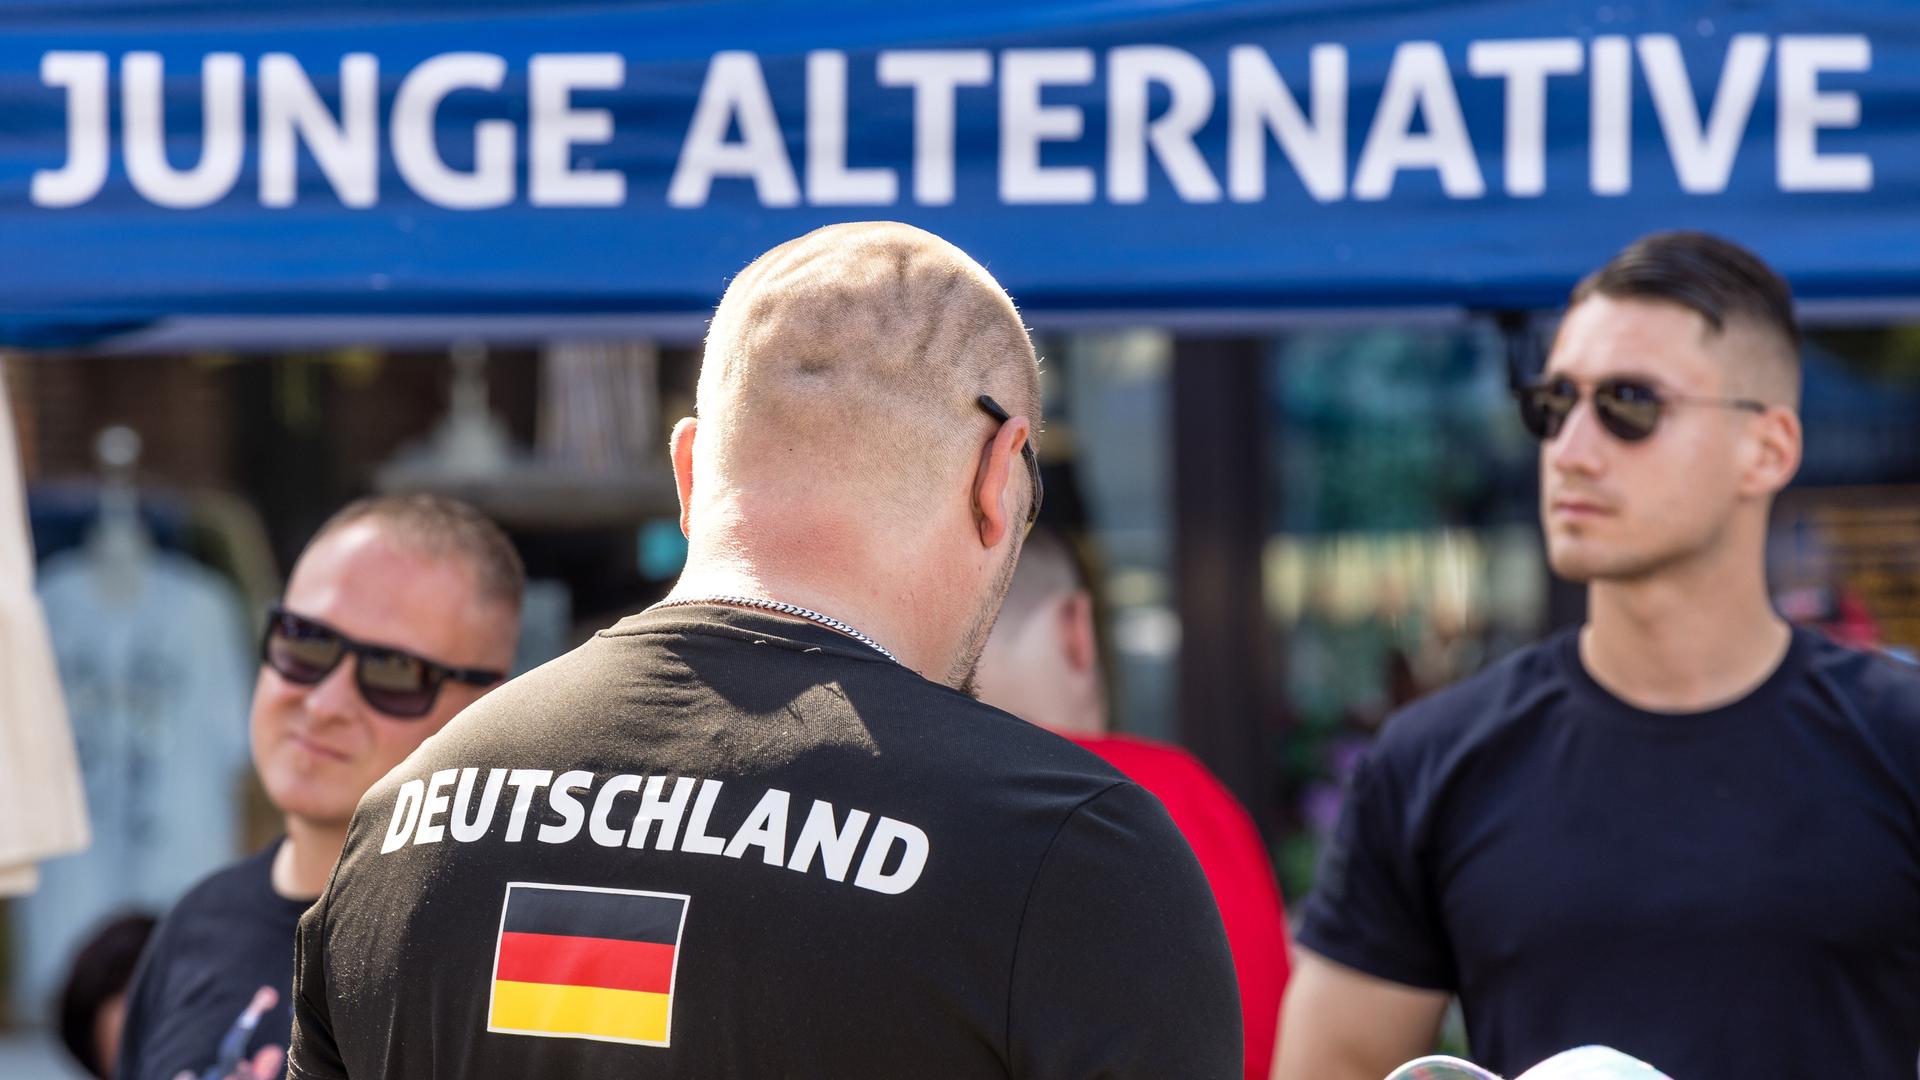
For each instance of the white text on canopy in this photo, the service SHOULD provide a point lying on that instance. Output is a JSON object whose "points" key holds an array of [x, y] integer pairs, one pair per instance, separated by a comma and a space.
{"points": [[1225, 125]]}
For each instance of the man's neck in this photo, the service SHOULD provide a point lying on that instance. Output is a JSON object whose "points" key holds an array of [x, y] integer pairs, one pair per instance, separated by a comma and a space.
{"points": [[1684, 642], [1079, 726], [305, 860], [894, 616]]}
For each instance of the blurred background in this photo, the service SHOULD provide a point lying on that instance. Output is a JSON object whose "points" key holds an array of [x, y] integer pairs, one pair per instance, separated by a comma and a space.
{"points": [[1283, 261]]}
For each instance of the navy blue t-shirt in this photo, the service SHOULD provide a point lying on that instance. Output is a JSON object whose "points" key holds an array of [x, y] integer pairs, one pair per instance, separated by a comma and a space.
{"points": [[226, 938], [1726, 894]]}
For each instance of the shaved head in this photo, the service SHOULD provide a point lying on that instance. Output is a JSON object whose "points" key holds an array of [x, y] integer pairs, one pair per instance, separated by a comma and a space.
{"points": [[1048, 569], [1044, 662], [841, 458], [851, 358]]}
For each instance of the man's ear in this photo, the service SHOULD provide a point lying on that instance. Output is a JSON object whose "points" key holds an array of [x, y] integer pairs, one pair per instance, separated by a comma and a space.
{"points": [[680, 448], [1077, 642], [993, 497], [1777, 456]]}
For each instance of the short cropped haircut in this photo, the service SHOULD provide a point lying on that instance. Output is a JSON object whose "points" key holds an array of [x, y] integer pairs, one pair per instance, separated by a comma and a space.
{"points": [[101, 969], [1714, 277], [1048, 566], [858, 351], [437, 525], [1053, 561]]}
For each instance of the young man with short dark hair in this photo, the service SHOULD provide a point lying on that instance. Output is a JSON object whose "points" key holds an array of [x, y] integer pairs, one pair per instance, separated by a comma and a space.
{"points": [[1685, 830]]}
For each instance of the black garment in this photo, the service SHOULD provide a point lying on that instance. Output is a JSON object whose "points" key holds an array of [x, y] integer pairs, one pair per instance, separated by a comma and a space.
{"points": [[226, 938], [863, 874], [1726, 894]]}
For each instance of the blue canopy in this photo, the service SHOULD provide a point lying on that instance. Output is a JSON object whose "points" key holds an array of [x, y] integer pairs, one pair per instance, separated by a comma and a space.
{"points": [[220, 158]]}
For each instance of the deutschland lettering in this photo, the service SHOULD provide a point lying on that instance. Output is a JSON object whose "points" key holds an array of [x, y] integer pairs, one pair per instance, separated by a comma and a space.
{"points": [[659, 813], [1166, 113]]}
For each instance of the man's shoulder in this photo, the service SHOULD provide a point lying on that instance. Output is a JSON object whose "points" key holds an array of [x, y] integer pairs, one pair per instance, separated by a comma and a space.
{"points": [[220, 913], [1478, 707], [1214, 822], [1875, 682], [1168, 771], [524, 713], [992, 731], [1876, 695], [985, 762], [854, 733], [578, 673], [1128, 752], [596, 686], [229, 888]]}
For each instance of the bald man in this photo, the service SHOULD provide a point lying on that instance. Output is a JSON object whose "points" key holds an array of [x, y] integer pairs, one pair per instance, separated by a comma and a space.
{"points": [[1043, 665], [760, 830]]}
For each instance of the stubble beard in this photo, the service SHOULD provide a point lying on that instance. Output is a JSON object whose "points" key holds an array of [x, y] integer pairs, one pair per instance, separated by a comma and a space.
{"points": [[1596, 565], [964, 674]]}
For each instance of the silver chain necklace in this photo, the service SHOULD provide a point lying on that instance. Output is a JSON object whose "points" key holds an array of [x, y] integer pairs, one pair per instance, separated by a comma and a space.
{"points": [[827, 621]]}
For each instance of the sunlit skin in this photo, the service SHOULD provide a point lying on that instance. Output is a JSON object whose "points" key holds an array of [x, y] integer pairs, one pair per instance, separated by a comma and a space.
{"points": [[1620, 511], [1670, 532], [318, 748], [1042, 662], [835, 467], [108, 1023]]}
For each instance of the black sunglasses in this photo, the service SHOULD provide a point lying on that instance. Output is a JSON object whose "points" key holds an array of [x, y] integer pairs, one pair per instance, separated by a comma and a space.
{"points": [[1032, 459], [1629, 408], [394, 681]]}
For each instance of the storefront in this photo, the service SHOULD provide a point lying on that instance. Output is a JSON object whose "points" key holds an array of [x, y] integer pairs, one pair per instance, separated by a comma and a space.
{"points": [[1283, 259]]}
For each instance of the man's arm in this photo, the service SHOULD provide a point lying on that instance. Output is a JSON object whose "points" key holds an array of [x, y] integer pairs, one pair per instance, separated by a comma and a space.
{"points": [[314, 1054], [1342, 1024]]}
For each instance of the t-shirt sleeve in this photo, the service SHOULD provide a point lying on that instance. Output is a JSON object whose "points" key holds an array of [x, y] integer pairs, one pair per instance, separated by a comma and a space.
{"points": [[313, 1055], [1121, 968], [1373, 908]]}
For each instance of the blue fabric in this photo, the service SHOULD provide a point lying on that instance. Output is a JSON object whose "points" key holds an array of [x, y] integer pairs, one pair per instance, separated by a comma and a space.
{"points": [[116, 259]]}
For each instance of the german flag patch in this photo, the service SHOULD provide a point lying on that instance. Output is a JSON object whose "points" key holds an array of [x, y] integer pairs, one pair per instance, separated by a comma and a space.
{"points": [[574, 962]]}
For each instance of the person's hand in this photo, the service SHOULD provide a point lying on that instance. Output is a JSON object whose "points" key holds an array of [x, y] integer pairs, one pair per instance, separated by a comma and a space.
{"points": [[232, 1062], [268, 1064]]}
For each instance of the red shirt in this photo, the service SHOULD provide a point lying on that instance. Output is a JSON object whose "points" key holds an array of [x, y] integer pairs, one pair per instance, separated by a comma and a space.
{"points": [[1235, 862]]}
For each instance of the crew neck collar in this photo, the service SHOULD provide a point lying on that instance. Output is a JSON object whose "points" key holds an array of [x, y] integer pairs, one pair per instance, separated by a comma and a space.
{"points": [[1763, 692], [730, 620]]}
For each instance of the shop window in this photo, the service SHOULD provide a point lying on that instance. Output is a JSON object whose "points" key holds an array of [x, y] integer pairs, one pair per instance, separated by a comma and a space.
{"points": [[1845, 547], [1108, 437], [1403, 551]]}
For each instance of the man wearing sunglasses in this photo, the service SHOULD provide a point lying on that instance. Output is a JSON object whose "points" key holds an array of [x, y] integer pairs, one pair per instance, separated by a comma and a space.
{"points": [[401, 611], [761, 830], [1684, 829]]}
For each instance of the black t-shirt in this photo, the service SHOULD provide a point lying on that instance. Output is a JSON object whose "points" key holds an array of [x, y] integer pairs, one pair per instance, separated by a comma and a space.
{"points": [[226, 938], [1726, 894], [713, 843]]}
